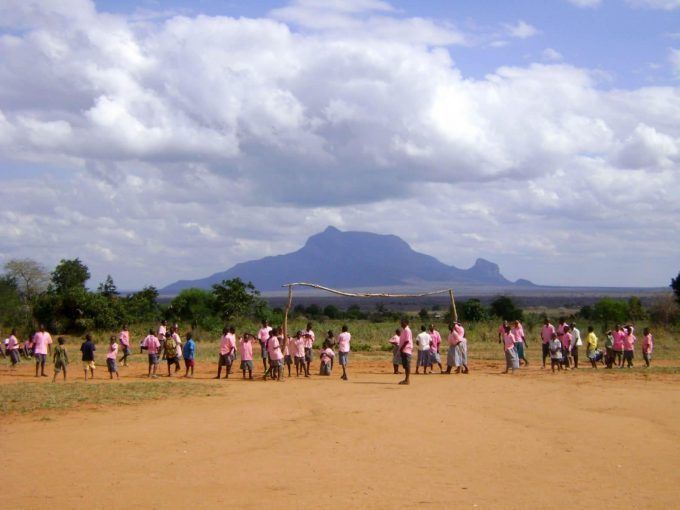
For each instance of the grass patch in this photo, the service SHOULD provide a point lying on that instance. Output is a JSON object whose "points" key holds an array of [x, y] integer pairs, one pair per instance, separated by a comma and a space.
{"points": [[30, 397]]}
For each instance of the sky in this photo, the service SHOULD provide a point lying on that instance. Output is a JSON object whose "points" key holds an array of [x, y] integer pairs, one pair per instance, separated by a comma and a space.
{"points": [[166, 140]]}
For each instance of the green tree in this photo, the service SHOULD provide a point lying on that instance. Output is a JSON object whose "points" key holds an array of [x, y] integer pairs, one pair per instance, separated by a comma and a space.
{"points": [[675, 285], [107, 288], [234, 298], [69, 275], [30, 277], [610, 311], [10, 302], [142, 306], [332, 312], [504, 308], [472, 310], [197, 306], [636, 311], [424, 314]]}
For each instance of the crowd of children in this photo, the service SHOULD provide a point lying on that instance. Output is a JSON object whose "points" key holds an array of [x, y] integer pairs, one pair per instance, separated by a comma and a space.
{"points": [[560, 344]]}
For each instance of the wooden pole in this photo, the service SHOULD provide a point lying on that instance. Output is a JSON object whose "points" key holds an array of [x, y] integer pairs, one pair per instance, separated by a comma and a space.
{"points": [[285, 316], [454, 313]]}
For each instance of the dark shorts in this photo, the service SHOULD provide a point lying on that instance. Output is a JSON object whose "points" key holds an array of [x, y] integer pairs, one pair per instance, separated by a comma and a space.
{"points": [[59, 365], [406, 361], [288, 359], [247, 365], [111, 365], [628, 355], [172, 361], [546, 350], [342, 358], [308, 354], [126, 351], [189, 363], [14, 356], [40, 358], [225, 360], [153, 359]]}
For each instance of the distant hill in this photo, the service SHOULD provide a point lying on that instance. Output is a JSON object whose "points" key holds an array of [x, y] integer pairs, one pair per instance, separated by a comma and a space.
{"points": [[351, 260]]}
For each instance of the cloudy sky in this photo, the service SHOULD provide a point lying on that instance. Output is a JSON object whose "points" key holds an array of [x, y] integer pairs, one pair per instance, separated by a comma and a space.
{"points": [[166, 140]]}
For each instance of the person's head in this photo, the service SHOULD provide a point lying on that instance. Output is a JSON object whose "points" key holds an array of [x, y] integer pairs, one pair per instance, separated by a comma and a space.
{"points": [[225, 330], [164, 322], [627, 329], [645, 331], [397, 331], [265, 323], [516, 324], [553, 336], [546, 322], [151, 331], [573, 325], [404, 322], [125, 327], [431, 327], [617, 327], [41, 328], [88, 338], [13, 332], [507, 328], [423, 328], [309, 326], [330, 333], [567, 329], [232, 330], [562, 320], [298, 333], [505, 324], [345, 329], [61, 340], [590, 329], [190, 335], [175, 328]]}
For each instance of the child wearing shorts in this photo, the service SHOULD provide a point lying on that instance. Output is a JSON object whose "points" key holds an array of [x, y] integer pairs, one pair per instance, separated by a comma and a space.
{"points": [[344, 340], [60, 359], [170, 350], [124, 339], [151, 345], [299, 353], [245, 347], [647, 346], [111, 358], [189, 354], [13, 348], [287, 356], [227, 347], [87, 349], [555, 347], [275, 355]]}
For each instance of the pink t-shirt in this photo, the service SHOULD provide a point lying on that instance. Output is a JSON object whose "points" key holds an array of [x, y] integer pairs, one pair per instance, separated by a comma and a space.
{"points": [[343, 341], [299, 347], [263, 334], [113, 351], [508, 341], [560, 330], [227, 343], [274, 348], [406, 341], [124, 338], [327, 355], [629, 342], [501, 330], [647, 343], [454, 338], [518, 333], [566, 340], [245, 350], [162, 330], [152, 344], [394, 340], [618, 340], [40, 342], [309, 340], [460, 330], [14, 343], [547, 333]]}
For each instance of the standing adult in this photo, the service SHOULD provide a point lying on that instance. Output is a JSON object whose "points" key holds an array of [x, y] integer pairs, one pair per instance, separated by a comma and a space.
{"points": [[42, 345], [547, 331], [576, 342], [436, 342], [263, 336], [309, 337], [511, 359], [423, 342], [406, 350], [344, 339]]}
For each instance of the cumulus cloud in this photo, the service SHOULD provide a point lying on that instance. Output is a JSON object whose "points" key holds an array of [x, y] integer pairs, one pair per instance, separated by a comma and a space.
{"points": [[674, 59], [551, 55], [229, 139], [521, 30], [666, 5], [586, 3]]}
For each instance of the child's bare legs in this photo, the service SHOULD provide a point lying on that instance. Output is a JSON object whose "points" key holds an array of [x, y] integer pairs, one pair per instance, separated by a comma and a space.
{"points": [[54, 378], [288, 365]]}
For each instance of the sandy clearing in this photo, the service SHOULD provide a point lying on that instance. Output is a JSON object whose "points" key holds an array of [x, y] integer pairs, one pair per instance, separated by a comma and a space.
{"points": [[529, 441]]}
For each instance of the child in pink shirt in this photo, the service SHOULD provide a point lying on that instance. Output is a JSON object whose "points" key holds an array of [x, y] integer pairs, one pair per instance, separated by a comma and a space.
{"points": [[227, 350], [628, 347], [298, 346], [288, 354], [327, 356], [275, 355], [151, 345], [111, 357], [245, 347], [344, 339], [396, 354], [647, 346], [618, 335], [124, 339], [406, 350]]}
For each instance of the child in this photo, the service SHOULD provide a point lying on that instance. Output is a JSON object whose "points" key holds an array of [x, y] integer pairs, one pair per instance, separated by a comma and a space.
{"points": [[263, 336], [189, 354], [423, 341], [170, 350], [124, 339], [566, 345], [591, 348], [245, 347], [327, 356], [330, 340], [152, 345], [299, 354], [647, 346], [13, 348], [310, 338], [406, 350], [555, 347], [460, 357], [60, 359], [42, 345], [275, 355], [227, 347], [396, 355], [111, 358], [287, 356], [344, 339], [609, 350], [87, 349], [520, 342], [511, 359], [435, 357], [178, 346], [617, 346], [628, 347]]}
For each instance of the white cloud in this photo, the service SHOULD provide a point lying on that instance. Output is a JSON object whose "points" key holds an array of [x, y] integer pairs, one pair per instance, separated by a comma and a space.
{"points": [[665, 5], [521, 30], [586, 3], [231, 139], [674, 59], [551, 55]]}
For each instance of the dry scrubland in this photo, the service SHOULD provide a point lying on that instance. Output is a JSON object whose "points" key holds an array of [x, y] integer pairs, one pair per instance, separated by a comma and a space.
{"points": [[596, 439]]}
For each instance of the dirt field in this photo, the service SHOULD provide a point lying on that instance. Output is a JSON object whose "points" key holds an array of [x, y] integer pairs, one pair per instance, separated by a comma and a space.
{"points": [[587, 439]]}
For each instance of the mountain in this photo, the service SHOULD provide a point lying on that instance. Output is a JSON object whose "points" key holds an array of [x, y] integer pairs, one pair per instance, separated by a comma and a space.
{"points": [[350, 260]]}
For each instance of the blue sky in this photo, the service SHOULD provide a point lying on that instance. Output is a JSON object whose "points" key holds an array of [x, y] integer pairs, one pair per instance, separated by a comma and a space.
{"points": [[156, 144]]}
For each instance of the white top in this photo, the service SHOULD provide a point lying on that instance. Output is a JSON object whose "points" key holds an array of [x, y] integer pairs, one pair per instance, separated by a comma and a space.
{"points": [[423, 340], [575, 338], [555, 349]]}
